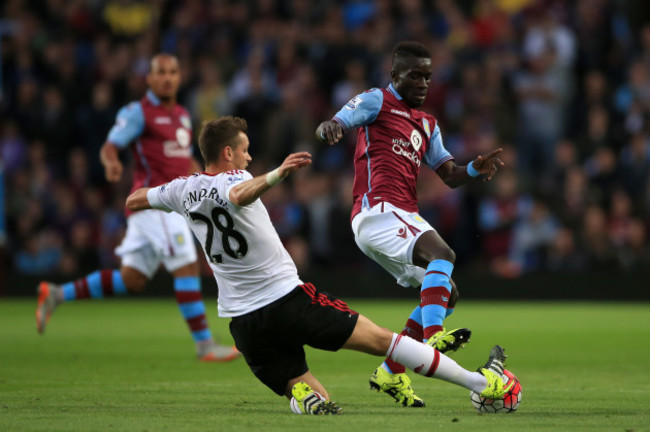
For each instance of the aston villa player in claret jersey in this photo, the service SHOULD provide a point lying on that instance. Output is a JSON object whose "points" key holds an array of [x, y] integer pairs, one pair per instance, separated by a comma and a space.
{"points": [[394, 139], [159, 133]]}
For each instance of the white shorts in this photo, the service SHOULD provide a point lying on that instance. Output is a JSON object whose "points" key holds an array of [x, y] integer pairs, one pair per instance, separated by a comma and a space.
{"points": [[154, 237], [388, 234]]}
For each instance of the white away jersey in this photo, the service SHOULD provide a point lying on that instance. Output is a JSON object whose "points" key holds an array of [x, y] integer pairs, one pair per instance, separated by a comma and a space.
{"points": [[249, 262]]}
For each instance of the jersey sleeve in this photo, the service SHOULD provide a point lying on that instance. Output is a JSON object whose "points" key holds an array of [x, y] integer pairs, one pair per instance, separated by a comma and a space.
{"points": [[166, 197], [128, 126], [231, 179], [436, 153], [362, 109]]}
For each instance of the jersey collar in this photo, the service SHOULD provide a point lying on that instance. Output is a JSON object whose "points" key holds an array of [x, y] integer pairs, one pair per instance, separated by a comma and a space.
{"points": [[394, 92], [152, 97]]}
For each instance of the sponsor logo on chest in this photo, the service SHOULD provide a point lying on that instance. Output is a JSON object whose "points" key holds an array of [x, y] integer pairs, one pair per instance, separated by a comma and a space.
{"points": [[416, 140], [180, 147], [178, 137], [162, 120], [409, 149]]}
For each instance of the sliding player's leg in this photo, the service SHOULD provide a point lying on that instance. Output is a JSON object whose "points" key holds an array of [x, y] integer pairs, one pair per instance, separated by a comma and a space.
{"points": [[425, 360]]}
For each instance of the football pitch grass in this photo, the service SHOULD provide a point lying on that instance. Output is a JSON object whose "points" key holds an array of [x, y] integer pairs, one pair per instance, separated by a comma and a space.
{"points": [[129, 365]]}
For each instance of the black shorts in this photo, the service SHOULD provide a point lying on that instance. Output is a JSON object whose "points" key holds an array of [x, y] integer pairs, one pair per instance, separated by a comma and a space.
{"points": [[272, 338]]}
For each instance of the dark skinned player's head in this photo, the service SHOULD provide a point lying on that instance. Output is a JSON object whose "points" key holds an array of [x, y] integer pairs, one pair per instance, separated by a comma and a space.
{"points": [[411, 72], [164, 76]]}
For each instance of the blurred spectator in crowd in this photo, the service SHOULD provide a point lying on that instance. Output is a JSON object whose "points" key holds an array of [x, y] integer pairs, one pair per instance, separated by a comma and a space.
{"points": [[128, 18], [566, 157], [289, 128], [594, 92], [636, 253], [353, 83], [596, 134], [208, 99], [563, 253], [81, 254], [619, 219], [602, 171], [575, 197], [40, 253], [595, 240], [56, 126], [13, 148], [635, 167], [532, 236], [498, 214], [93, 119], [635, 90], [253, 93], [314, 192], [539, 117]]}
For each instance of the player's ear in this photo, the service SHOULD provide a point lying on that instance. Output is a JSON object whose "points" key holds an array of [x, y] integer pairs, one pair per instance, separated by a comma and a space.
{"points": [[227, 153]]}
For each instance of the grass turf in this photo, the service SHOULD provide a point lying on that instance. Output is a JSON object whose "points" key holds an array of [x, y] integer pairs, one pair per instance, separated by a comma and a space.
{"points": [[128, 365]]}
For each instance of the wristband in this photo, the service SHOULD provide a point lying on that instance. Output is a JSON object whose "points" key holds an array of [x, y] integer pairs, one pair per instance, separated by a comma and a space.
{"points": [[471, 171], [273, 177]]}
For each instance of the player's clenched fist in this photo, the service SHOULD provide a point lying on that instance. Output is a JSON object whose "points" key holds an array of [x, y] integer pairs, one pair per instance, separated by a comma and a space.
{"points": [[330, 132]]}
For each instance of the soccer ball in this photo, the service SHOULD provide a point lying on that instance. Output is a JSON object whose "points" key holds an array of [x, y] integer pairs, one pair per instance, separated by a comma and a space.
{"points": [[507, 405]]}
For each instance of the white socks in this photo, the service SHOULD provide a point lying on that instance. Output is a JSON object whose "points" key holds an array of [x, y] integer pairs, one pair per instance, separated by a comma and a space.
{"points": [[425, 360], [418, 357]]}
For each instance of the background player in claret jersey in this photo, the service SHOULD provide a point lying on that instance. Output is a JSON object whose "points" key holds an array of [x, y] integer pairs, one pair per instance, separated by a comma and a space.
{"points": [[273, 313], [159, 133], [394, 139]]}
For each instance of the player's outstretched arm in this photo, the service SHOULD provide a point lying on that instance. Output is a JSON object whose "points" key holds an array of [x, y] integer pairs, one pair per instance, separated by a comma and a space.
{"points": [[138, 200], [484, 167], [248, 191], [329, 131]]}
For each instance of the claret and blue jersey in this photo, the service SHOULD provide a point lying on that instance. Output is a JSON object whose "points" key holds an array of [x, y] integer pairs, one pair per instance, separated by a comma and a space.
{"points": [[161, 138], [393, 141]]}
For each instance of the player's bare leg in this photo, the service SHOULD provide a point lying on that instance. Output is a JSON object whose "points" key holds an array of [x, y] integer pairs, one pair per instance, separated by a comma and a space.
{"points": [[187, 285], [134, 280], [309, 379]]}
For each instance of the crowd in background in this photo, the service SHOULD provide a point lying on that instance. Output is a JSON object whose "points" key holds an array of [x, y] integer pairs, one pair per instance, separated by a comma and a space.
{"points": [[562, 86]]}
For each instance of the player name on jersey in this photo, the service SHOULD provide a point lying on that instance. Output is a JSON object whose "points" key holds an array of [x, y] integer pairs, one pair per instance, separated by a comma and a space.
{"points": [[194, 196]]}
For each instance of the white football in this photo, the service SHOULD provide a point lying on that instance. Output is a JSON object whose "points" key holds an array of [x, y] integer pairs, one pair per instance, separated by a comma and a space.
{"points": [[508, 404]]}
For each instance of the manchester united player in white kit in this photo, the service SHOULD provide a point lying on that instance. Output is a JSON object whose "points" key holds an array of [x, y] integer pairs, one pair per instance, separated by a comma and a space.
{"points": [[159, 133], [273, 313], [394, 139]]}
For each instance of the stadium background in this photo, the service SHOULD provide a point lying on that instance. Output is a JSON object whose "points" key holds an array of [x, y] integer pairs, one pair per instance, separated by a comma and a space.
{"points": [[563, 86]]}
